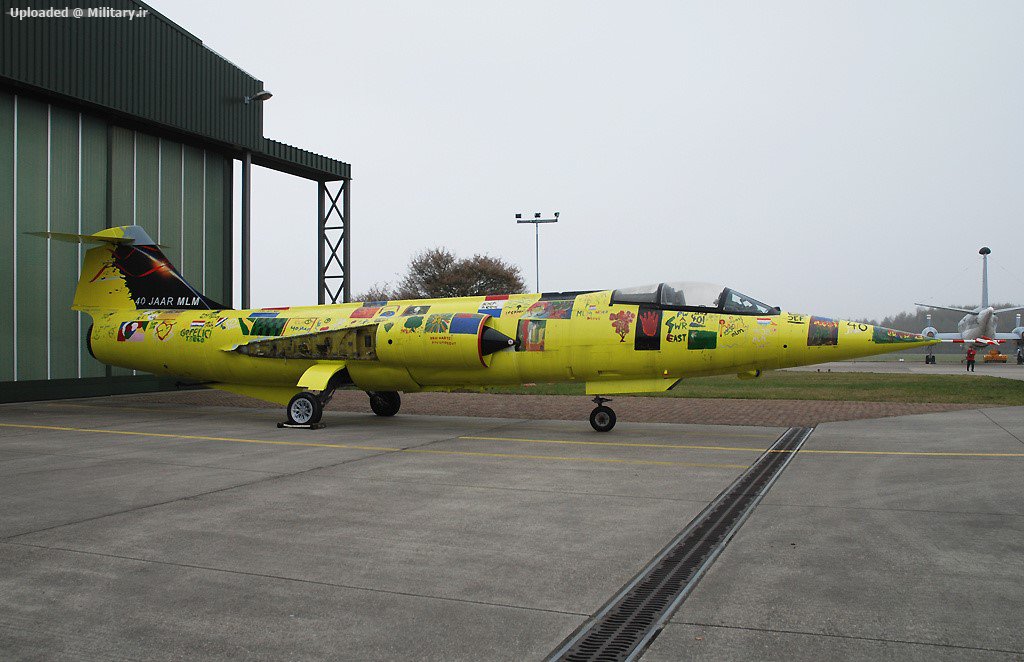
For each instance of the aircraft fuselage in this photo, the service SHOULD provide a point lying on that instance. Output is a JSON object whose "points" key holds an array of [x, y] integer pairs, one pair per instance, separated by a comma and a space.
{"points": [[435, 344], [979, 324]]}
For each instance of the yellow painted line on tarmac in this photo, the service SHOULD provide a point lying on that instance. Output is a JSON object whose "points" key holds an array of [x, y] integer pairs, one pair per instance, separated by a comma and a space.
{"points": [[269, 405], [167, 435], [621, 444], [152, 410], [385, 449], [739, 448], [912, 453]]}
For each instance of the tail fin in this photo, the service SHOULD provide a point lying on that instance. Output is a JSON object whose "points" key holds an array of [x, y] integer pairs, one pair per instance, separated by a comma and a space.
{"points": [[129, 271], [984, 252]]}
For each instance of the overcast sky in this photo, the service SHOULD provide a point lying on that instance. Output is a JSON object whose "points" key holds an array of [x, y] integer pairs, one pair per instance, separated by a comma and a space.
{"points": [[840, 158]]}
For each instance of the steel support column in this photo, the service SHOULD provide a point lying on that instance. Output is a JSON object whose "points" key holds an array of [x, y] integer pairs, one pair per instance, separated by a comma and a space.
{"points": [[246, 216], [333, 228]]}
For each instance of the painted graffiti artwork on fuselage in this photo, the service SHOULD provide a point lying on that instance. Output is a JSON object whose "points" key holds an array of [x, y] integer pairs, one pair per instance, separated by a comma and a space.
{"points": [[638, 339], [648, 330], [531, 335], [822, 331], [131, 331]]}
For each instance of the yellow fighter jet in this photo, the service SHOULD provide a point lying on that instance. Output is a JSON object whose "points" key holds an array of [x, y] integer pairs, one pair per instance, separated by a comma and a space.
{"points": [[633, 340]]}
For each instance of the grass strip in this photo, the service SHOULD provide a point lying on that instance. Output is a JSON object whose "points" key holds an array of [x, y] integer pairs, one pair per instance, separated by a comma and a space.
{"points": [[859, 387]]}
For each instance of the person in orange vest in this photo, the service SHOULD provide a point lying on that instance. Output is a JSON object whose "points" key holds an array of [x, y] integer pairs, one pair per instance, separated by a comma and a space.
{"points": [[971, 353]]}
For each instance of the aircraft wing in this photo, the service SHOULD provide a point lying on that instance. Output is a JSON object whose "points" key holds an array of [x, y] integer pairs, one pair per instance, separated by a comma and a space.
{"points": [[338, 343], [955, 338], [955, 310]]}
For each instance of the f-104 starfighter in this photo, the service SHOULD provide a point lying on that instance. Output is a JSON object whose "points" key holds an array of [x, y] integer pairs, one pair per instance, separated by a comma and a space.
{"points": [[147, 317]]}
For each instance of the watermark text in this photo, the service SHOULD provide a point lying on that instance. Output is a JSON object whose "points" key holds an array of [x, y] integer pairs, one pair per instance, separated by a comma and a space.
{"points": [[77, 12]]}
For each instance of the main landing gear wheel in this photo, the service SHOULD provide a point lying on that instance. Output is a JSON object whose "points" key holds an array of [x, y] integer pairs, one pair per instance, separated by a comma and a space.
{"points": [[305, 409], [602, 418], [385, 403]]}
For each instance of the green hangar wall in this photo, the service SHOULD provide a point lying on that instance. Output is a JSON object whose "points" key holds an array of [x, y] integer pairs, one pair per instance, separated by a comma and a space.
{"points": [[107, 122], [68, 171]]}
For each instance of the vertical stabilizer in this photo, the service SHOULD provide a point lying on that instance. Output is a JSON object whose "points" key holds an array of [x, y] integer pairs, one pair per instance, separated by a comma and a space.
{"points": [[984, 252], [128, 271]]}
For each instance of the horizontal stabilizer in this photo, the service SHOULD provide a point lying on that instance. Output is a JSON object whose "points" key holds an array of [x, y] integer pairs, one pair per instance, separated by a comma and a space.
{"points": [[81, 238], [125, 234]]}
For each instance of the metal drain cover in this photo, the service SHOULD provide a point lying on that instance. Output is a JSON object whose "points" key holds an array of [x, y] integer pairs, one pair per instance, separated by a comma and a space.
{"points": [[626, 625]]}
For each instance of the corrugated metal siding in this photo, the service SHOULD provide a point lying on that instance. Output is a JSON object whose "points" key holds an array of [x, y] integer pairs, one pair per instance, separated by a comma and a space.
{"points": [[147, 180], [191, 265], [147, 68], [280, 156], [93, 214], [30, 253], [121, 182], [6, 236], [213, 233], [63, 263], [169, 221], [70, 172]]}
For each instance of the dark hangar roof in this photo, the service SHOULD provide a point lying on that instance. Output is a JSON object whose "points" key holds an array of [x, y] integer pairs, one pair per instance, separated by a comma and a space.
{"points": [[150, 71]]}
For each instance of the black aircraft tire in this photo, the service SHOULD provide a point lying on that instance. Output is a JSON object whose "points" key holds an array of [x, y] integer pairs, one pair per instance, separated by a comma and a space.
{"points": [[305, 409], [602, 418], [385, 403]]}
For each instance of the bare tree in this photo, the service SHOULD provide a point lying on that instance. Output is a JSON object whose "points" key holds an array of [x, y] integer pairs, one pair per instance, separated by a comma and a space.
{"points": [[377, 292], [431, 273], [437, 272]]}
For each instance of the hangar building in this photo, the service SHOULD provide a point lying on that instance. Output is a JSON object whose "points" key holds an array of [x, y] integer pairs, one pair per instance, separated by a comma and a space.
{"points": [[104, 122]]}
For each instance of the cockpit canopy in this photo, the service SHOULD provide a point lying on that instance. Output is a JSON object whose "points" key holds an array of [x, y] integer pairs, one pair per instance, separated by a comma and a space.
{"points": [[705, 297]]}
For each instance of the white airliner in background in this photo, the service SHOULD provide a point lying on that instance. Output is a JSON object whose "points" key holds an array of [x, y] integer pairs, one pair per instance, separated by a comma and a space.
{"points": [[978, 326]]}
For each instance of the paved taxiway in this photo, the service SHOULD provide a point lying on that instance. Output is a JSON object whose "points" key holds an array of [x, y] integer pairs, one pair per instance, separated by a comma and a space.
{"points": [[132, 530], [917, 367]]}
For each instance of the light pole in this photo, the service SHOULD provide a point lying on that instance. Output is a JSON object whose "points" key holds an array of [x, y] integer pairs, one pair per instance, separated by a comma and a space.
{"points": [[259, 97], [537, 220]]}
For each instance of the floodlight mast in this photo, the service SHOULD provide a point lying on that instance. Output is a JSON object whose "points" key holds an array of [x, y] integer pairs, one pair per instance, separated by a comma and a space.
{"points": [[536, 220]]}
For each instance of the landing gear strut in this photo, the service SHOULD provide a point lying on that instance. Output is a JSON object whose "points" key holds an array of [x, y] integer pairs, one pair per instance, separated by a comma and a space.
{"points": [[602, 418], [307, 408], [385, 403]]}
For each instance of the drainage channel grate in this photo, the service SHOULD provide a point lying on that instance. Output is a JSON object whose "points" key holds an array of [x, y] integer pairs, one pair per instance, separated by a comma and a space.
{"points": [[628, 623]]}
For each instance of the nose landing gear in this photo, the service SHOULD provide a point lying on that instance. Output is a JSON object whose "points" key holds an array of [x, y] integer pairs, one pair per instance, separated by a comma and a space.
{"points": [[602, 418]]}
